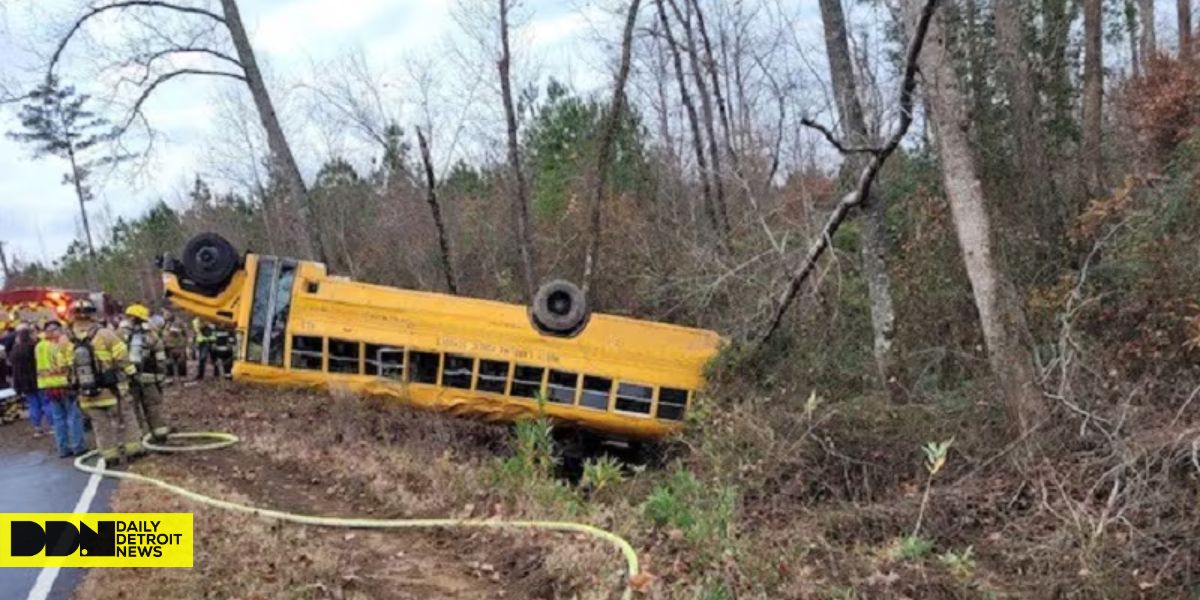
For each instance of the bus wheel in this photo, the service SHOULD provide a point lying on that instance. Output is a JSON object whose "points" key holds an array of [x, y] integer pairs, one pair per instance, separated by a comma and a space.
{"points": [[559, 308], [209, 259]]}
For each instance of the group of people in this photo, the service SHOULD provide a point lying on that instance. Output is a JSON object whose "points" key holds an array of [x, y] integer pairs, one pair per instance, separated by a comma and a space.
{"points": [[112, 374]]}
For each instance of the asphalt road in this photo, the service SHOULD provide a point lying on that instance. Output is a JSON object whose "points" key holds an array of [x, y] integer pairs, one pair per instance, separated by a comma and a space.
{"points": [[34, 479]]}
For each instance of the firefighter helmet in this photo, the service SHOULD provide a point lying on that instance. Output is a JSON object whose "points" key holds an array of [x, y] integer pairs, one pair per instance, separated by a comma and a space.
{"points": [[83, 308], [138, 311]]}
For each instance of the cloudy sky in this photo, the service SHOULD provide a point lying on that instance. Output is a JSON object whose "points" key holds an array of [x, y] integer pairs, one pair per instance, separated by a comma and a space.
{"points": [[297, 40]]}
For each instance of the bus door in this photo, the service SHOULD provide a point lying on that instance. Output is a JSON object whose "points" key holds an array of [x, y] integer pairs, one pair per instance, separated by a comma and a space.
{"points": [[267, 332]]}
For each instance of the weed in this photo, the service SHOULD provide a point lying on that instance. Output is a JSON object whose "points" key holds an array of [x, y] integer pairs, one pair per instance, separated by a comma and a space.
{"points": [[961, 564], [910, 547], [704, 515], [601, 473]]}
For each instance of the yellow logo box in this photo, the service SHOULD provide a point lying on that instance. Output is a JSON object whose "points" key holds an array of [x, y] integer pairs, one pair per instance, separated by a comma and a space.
{"points": [[96, 540]]}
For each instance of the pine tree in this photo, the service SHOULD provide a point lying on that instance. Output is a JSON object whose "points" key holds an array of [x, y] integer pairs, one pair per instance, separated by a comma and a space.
{"points": [[56, 122]]}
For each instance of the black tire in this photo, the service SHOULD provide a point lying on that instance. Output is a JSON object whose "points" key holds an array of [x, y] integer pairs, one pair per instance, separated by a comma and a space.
{"points": [[209, 260], [559, 308]]}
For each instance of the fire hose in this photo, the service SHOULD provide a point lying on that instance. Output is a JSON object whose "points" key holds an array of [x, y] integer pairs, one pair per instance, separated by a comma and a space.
{"points": [[222, 440]]}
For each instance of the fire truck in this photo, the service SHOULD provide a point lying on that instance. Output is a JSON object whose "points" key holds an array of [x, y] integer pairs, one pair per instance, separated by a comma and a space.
{"points": [[40, 304]]}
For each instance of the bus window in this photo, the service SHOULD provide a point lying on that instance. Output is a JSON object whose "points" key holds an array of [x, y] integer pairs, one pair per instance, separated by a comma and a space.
{"points": [[343, 356], [527, 381], [493, 376], [423, 367], [306, 353], [561, 387], [281, 307], [259, 309], [595, 392], [385, 361], [634, 398], [457, 371], [672, 403]]}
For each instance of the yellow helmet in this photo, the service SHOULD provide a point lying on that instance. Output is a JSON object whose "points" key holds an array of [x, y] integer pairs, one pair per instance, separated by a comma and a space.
{"points": [[138, 311]]}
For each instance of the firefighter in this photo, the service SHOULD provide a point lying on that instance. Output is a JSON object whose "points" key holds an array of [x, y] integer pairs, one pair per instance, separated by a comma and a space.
{"points": [[203, 345], [222, 353], [174, 337], [53, 354], [100, 371], [148, 355]]}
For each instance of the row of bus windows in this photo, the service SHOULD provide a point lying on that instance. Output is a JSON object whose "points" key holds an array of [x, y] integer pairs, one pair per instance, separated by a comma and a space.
{"points": [[485, 375]]}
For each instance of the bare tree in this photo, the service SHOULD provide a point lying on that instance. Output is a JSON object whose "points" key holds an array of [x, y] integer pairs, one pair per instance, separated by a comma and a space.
{"points": [[866, 177], [1036, 197], [1183, 10], [435, 209], [608, 134], [874, 242], [716, 216], [1000, 315], [706, 109], [1149, 39], [161, 47], [1093, 91], [521, 195]]}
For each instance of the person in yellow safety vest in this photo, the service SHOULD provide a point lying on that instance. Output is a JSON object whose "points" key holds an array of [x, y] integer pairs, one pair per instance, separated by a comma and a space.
{"points": [[100, 372], [203, 345], [53, 356], [148, 355]]}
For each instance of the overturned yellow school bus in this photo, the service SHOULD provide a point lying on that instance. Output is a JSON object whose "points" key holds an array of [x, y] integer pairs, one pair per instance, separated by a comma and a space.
{"points": [[621, 377]]}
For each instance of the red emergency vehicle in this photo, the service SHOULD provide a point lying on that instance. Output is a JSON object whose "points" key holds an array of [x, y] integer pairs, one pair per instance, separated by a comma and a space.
{"points": [[39, 304]]}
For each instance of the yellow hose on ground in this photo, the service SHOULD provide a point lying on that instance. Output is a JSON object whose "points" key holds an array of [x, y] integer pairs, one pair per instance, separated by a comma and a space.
{"points": [[223, 440]]}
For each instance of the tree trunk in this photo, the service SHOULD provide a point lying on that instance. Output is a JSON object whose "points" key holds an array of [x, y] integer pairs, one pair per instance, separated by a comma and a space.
{"points": [[1149, 36], [710, 207], [604, 153], [874, 243], [1037, 200], [93, 277], [706, 109], [1001, 317], [1183, 9], [521, 198], [710, 63], [4, 266], [281, 152], [436, 210], [1093, 91], [1135, 59]]}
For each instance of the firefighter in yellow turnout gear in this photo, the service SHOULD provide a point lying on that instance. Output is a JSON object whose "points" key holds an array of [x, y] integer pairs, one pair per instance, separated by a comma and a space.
{"points": [[100, 372], [148, 355]]}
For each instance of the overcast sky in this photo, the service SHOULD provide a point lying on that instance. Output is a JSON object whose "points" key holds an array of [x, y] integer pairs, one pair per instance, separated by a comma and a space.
{"points": [[294, 39]]}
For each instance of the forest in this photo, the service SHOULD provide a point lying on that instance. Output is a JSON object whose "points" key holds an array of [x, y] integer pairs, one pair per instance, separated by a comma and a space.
{"points": [[953, 244]]}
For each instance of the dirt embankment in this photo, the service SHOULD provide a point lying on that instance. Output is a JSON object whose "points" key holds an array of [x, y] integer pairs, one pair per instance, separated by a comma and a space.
{"points": [[313, 454]]}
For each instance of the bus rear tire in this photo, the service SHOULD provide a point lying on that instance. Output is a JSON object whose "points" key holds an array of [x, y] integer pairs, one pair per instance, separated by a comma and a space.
{"points": [[559, 308], [209, 260]]}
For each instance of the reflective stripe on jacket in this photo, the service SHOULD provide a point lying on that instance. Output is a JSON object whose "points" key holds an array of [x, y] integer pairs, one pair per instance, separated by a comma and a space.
{"points": [[51, 371], [110, 353]]}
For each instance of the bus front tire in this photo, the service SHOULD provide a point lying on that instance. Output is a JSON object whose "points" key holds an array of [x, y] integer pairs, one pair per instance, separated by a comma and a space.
{"points": [[559, 308], [209, 260]]}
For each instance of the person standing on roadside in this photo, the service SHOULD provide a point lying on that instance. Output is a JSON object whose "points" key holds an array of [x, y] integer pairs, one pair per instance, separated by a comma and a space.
{"points": [[54, 354], [24, 374], [147, 354]]}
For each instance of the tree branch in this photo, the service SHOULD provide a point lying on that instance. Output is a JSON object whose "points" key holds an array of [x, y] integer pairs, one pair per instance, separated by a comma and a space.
{"points": [[96, 10], [866, 178], [145, 95], [807, 122], [435, 208]]}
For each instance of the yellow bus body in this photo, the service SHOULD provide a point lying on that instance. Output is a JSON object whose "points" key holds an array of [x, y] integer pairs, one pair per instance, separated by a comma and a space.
{"points": [[333, 325]]}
